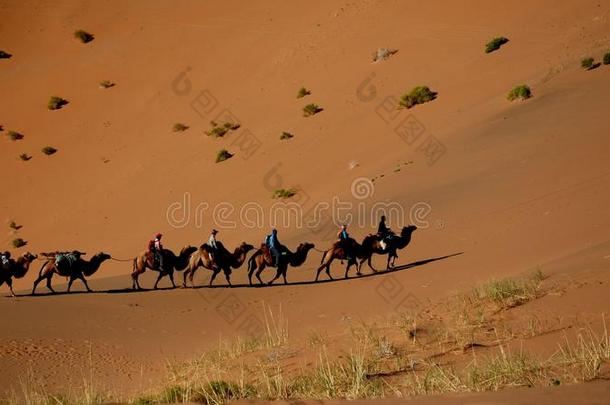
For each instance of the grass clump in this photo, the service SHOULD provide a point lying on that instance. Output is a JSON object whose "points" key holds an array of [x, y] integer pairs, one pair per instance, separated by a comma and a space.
{"points": [[589, 63], [49, 150], [383, 54], [495, 44], [18, 242], [55, 103], [14, 226], [83, 36], [509, 293], [522, 92], [24, 157], [419, 95], [311, 109], [223, 155], [218, 131], [606, 59], [284, 193], [4, 55], [180, 127], [303, 92], [106, 84], [286, 135], [14, 135]]}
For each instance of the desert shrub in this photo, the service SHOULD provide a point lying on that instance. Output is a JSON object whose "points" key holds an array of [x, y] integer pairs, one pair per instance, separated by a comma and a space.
{"points": [[49, 150], [179, 127], [25, 157], [495, 44], [83, 36], [4, 55], [587, 63], [607, 59], [284, 193], [522, 92], [14, 226], [223, 155], [14, 135], [219, 131], [419, 95], [311, 109], [106, 84], [55, 103], [286, 135], [303, 92], [18, 242], [383, 54]]}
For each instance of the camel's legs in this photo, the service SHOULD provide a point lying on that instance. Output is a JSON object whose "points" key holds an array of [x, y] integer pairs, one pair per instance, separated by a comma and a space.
{"points": [[161, 275], [228, 276], [184, 275], [258, 273], [49, 283], [72, 278], [9, 282], [284, 275], [328, 272], [350, 263], [216, 270], [84, 280], [278, 273], [171, 278], [251, 272], [38, 280], [192, 276]]}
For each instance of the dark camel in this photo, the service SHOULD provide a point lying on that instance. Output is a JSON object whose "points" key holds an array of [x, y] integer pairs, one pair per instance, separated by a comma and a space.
{"points": [[349, 250], [77, 270], [222, 259], [262, 258], [372, 245], [171, 262], [16, 269]]}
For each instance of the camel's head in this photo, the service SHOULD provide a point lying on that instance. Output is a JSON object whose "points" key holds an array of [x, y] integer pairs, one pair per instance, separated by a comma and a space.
{"points": [[246, 247], [306, 246], [408, 230], [101, 256], [30, 257]]}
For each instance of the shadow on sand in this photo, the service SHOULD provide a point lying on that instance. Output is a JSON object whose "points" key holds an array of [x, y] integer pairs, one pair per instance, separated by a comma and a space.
{"points": [[243, 285]]}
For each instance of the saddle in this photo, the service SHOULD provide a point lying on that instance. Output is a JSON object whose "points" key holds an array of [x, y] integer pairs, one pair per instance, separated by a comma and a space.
{"points": [[67, 258]]}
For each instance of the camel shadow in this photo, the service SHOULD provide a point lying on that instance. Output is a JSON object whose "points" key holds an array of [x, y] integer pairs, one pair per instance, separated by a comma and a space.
{"points": [[396, 269]]}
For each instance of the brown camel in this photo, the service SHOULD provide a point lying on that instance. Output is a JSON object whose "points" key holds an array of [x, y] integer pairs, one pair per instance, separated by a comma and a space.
{"points": [[371, 245], [262, 258], [171, 262], [349, 250], [74, 270], [16, 269], [222, 259]]}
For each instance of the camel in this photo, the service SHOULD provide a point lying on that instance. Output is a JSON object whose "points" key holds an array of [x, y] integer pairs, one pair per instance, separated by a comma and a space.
{"points": [[217, 261], [338, 251], [371, 245], [262, 258], [171, 262], [16, 269], [77, 270]]}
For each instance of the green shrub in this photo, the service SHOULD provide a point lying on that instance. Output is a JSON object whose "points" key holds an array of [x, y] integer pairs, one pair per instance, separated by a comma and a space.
{"points": [[311, 109], [25, 157], [219, 131], [587, 63], [83, 36], [495, 44], [49, 150], [383, 54], [13, 225], [223, 155], [522, 92], [286, 135], [106, 84], [419, 95], [4, 55], [303, 92], [55, 103], [14, 135], [179, 127], [607, 59], [284, 193], [18, 242]]}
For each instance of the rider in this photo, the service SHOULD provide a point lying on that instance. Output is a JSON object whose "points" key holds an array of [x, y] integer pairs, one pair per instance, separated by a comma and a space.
{"points": [[383, 232], [5, 259], [273, 244], [212, 244], [343, 239], [155, 247]]}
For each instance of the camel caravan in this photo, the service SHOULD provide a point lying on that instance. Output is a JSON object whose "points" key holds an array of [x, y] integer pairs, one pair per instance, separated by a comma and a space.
{"points": [[214, 257]]}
